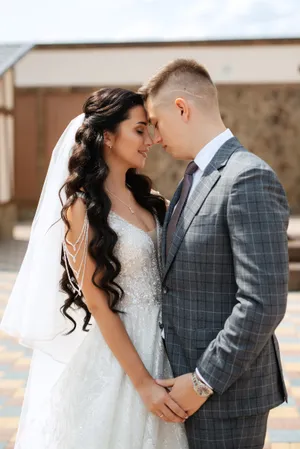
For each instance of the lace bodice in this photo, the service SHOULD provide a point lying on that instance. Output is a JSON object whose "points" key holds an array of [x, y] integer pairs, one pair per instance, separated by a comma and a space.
{"points": [[140, 276], [138, 252]]}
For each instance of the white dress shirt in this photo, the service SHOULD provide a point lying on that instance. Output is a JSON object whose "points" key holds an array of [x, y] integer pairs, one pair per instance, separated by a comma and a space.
{"points": [[207, 153]]}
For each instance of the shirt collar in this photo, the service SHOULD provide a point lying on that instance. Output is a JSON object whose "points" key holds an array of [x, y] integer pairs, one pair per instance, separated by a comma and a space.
{"points": [[207, 153]]}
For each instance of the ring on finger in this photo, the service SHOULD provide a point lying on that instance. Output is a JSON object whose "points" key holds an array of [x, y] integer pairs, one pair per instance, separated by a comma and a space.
{"points": [[161, 415]]}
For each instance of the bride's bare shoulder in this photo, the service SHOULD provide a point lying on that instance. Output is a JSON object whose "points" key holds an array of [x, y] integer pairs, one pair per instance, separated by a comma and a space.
{"points": [[76, 214]]}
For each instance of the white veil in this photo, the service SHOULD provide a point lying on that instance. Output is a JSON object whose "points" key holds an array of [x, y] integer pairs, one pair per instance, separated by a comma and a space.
{"points": [[33, 311]]}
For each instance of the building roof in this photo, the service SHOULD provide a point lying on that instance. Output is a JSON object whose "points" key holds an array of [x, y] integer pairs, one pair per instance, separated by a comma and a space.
{"points": [[10, 55], [173, 43]]}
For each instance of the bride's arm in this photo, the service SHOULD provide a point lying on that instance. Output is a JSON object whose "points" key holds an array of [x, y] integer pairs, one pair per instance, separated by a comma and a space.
{"points": [[112, 328]]}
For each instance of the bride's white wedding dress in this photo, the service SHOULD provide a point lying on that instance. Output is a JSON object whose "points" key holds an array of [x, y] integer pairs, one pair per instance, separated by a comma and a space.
{"points": [[93, 404]]}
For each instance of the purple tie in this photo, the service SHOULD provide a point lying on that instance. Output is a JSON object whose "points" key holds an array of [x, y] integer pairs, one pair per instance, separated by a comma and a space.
{"points": [[186, 187]]}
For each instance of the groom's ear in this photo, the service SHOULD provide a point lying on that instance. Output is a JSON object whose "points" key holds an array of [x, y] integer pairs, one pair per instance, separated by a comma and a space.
{"points": [[183, 108]]}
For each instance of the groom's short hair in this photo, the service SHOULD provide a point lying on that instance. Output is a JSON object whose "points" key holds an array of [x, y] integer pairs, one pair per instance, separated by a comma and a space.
{"points": [[181, 74]]}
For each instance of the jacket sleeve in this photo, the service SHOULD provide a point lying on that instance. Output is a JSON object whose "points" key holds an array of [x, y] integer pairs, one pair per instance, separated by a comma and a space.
{"points": [[257, 218]]}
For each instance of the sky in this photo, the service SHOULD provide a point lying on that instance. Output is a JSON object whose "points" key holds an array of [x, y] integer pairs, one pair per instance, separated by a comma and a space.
{"points": [[41, 21]]}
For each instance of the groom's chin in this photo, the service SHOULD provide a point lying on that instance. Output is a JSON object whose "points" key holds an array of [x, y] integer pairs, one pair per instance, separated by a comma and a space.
{"points": [[174, 153]]}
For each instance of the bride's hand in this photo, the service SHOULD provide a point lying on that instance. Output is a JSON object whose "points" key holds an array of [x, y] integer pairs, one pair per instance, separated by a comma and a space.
{"points": [[159, 402]]}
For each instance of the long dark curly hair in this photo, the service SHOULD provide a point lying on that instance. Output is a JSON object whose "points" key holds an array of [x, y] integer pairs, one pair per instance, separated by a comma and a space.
{"points": [[104, 110]]}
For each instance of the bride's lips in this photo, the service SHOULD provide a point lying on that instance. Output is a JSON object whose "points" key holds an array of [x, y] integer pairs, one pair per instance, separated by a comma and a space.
{"points": [[144, 153]]}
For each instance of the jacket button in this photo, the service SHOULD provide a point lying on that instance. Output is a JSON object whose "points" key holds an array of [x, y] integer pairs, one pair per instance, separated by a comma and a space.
{"points": [[165, 290]]}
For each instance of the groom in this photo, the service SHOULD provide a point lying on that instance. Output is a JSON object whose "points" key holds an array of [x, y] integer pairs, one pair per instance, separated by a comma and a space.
{"points": [[225, 267]]}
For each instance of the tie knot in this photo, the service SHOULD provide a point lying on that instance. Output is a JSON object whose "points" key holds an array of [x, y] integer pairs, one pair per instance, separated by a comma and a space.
{"points": [[191, 168]]}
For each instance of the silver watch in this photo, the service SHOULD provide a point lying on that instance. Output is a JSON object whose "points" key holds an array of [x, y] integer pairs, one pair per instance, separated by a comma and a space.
{"points": [[200, 387]]}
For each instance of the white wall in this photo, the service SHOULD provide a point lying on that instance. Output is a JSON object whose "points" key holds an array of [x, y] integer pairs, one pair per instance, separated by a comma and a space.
{"points": [[133, 65]]}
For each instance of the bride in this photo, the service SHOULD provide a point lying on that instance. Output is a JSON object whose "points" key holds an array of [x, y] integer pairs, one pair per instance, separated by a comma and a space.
{"points": [[87, 297]]}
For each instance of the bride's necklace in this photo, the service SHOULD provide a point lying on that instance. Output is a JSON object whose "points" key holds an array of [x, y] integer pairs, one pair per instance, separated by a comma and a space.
{"points": [[127, 205]]}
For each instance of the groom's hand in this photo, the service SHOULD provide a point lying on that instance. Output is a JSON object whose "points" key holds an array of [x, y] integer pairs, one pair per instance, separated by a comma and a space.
{"points": [[183, 393]]}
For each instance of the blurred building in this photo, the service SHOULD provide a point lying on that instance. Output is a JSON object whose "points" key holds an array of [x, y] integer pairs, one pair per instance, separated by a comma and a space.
{"points": [[259, 90], [9, 56]]}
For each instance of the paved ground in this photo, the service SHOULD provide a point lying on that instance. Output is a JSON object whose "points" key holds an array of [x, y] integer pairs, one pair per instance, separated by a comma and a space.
{"points": [[284, 422]]}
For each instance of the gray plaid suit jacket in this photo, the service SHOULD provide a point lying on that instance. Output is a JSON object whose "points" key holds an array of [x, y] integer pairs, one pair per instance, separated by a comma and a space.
{"points": [[225, 283]]}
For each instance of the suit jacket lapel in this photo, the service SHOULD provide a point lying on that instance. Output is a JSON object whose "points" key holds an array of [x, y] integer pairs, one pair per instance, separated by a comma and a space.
{"points": [[194, 204], [202, 190]]}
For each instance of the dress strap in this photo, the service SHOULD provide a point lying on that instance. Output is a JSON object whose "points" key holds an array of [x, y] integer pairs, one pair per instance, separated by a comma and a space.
{"points": [[81, 194]]}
